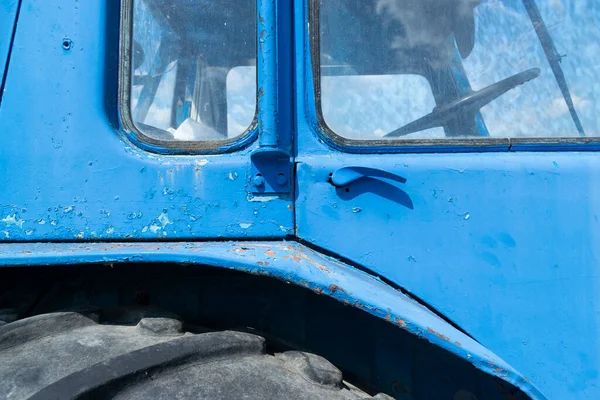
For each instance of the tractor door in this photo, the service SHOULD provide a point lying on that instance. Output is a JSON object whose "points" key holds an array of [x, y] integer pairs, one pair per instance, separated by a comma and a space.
{"points": [[449, 147]]}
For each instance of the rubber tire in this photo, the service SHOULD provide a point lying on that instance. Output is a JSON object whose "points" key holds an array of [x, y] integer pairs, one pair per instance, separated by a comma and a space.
{"points": [[71, 356]]}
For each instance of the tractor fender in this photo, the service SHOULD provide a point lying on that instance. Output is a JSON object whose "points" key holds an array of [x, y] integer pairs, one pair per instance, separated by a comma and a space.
{"points": [[293, 263]]}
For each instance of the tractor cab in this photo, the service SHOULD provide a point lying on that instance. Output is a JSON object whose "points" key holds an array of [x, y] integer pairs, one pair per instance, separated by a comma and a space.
{"points": [[300, 199]]}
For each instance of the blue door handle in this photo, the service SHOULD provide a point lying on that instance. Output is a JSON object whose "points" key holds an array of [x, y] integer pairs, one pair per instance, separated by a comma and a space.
{"points": [[346, 175]]}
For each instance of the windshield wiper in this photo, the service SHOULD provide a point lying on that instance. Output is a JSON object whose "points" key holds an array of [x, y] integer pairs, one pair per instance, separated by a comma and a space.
{"points": [[467, 106], [553, 58]]}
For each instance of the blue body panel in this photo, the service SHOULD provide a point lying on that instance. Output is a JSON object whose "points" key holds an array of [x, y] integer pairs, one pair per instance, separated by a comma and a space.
{"points": [[502, 243], [70, 174], [290, 262], [9, 10]]}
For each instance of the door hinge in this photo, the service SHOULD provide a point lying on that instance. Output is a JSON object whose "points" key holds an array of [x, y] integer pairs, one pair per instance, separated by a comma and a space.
{"points": [[271, 171]]}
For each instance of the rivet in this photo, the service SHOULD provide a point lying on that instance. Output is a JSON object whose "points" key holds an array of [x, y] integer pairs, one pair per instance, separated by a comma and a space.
{"points": [[281, 179]]}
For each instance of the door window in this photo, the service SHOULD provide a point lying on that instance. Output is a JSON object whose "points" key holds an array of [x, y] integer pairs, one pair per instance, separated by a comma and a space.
{"points": [[192, 70], [392, 69]]}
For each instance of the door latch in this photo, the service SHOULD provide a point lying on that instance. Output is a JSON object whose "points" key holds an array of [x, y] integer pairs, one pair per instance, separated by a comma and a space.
{"points": [[346, 175]]}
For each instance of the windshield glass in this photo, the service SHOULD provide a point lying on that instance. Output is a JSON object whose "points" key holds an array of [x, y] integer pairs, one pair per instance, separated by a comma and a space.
{"points": [[458, 68], [193, 68]]}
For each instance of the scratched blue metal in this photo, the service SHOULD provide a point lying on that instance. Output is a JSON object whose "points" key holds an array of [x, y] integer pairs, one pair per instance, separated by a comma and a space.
{"points": [[290, 262], [503, 244], [9, 10], [69, 173]]}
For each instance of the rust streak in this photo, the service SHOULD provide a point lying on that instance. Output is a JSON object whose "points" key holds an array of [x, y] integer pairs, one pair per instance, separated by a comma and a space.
{"points": [[443, 337], [400, 322], [298, 256], [335, 288]]}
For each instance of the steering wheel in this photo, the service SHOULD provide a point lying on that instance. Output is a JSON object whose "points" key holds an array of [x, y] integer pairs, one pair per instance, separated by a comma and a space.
{"points": [[468, 105]]}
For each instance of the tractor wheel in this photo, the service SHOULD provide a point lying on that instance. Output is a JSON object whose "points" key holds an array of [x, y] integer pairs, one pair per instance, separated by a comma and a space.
{"points": [[70, 355]]}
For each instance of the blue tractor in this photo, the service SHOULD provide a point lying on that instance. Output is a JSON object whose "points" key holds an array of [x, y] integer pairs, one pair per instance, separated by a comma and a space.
{"points": [[299, 199]]}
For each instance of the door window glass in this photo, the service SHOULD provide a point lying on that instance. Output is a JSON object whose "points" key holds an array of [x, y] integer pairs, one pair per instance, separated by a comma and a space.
{"points": [[193, 69], [403, 69]]}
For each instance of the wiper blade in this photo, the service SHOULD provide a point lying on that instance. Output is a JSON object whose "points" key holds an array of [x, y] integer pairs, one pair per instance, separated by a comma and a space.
{"points": [[553, 58], [467, 106]]}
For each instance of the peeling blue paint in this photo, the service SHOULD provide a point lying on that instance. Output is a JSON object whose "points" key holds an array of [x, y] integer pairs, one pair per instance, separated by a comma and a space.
{"points": [[79, 177]]}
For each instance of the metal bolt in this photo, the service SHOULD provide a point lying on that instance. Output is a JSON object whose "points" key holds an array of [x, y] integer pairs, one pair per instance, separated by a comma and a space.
{"points": [[281, 179], [258, 181]]}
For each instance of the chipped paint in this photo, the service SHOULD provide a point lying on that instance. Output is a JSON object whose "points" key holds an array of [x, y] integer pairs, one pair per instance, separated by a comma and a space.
{"points": [[440, 335], [261, 198], [199, 164], [163, 218], [13, 219], [334, 288]]}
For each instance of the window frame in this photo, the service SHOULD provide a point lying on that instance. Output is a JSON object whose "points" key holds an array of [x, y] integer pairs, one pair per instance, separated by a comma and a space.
{"points": [[452, 145], [177, 147]]}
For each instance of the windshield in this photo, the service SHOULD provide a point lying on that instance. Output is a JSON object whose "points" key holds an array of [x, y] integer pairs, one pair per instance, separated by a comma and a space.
{"points": [[193, 69], [458, 68]]}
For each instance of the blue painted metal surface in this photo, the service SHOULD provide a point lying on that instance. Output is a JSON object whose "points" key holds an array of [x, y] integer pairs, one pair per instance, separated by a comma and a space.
{"points": [[483, 240], [79, 176], [503, 244], [9, 10], [267, 77], [290, 262]]}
